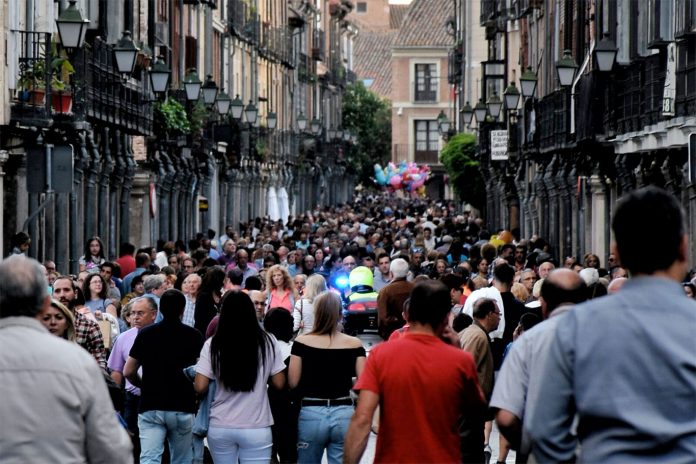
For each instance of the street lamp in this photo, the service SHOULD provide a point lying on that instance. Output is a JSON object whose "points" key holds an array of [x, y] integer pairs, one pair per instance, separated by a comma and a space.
{"points": [[339, 133], [494, 105], [251, 113], [72, 27], [237, 107], [210, 90], [302, 122], [480, 111], [192, 84], [315, 126], [443, 124], [223, 103], [159, 76], [566, 68], [605, 53], [271, 120], [125, 53], [346, 135], [467, 113], [512, 97], [331, 133], [528, 83]]}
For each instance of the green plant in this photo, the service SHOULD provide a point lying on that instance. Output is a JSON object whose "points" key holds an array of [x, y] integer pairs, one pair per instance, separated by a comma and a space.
{"points": [[368, 116], [61, 70], [199, 115], [262, 149], [170, 115], [464, 172]]}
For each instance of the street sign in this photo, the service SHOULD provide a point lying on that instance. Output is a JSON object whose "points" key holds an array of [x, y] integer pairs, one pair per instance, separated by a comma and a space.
{"points": [[692, 158], [202, 204], [61, 172], [499, 145]]}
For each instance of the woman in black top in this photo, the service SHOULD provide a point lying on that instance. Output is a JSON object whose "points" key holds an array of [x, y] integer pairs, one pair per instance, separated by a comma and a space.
{"points": [[208, 300], [322, 367]]}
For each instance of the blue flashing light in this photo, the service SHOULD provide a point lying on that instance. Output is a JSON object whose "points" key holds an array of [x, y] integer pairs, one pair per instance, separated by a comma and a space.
{"points": [[342, 282]]}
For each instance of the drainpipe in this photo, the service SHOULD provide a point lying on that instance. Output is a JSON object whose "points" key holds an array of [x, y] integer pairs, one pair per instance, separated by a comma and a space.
{"points": [[124, 234], [163, 195], [91, 191], [116, 178], [177, 178], [104, 184], [82, 162]]}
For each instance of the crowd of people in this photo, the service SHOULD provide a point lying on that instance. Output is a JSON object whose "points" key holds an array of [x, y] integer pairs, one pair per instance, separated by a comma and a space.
{"points": [[238, 342]]}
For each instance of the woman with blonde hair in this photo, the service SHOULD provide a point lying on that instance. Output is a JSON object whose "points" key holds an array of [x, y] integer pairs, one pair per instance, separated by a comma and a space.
{"points": [[58, 320], [322, 366], [280, 289], [303, 314]]}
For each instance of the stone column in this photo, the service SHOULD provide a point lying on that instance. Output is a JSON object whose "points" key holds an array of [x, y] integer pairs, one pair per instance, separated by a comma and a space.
{"points": [[140, 217], [599, 205]]}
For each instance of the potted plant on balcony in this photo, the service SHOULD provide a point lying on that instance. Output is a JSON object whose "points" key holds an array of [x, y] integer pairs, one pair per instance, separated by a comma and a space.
{"points": [[171, 118], [61, 96], [32, 84]]}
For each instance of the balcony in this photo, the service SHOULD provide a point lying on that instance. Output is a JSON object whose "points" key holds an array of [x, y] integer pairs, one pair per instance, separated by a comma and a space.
{"points": [[31, 103], [107, 98], [686, 78], [243, 21], [304, 68], [553, 120], [318, 45], [276, 44], [403, 151], [639, 91], [489, 11], [454, 65]]}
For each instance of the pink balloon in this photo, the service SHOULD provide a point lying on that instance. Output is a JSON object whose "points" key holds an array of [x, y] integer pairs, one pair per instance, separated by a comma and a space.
{"points": [[395, 181]]}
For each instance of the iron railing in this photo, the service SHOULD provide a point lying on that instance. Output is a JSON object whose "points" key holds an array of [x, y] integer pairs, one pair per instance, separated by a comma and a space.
{"points": [[31, 103]]}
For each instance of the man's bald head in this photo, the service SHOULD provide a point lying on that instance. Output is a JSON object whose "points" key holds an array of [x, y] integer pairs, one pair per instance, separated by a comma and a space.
{"points": [[562, 286], [616, 284]]}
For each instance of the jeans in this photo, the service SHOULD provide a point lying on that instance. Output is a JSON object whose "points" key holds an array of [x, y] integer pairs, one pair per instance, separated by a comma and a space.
{"points": [[322, 427], [130, 415], [247, 445], [175, 427]]}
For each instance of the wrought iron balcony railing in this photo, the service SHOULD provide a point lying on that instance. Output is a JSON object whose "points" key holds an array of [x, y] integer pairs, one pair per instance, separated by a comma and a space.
{"points": [[107, 98], [318, 45], [31, 102]]}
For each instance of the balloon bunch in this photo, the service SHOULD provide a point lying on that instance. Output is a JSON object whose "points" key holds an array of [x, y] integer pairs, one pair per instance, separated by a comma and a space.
{"points": [[407, 176]]}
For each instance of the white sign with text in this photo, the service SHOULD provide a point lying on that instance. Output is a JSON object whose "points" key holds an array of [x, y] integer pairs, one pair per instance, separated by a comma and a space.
{"points": [[499, 145]]}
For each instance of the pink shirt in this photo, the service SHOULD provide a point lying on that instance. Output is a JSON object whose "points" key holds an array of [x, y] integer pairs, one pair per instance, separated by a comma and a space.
{"points": [[278, 301]]}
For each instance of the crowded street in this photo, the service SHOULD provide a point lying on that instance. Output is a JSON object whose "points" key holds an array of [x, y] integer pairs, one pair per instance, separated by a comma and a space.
{"points": [[348, 231], [328, 296]]}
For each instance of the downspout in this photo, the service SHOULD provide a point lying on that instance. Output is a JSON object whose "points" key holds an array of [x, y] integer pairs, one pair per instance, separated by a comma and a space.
{"points": [[117, 177], [578, 76], [124, 233], [90, 191], [104, 185], [82, 163]]}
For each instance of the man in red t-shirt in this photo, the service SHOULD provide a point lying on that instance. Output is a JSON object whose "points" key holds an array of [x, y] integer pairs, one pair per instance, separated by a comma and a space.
{"points": [[126, 259], [423, 386]]}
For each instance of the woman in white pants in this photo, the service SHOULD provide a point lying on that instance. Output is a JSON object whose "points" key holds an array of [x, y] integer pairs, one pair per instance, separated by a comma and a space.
{"points": [[240, 357]]}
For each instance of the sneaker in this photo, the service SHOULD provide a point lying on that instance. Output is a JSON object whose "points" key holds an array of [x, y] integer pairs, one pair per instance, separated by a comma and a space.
{"points": [[487, 453]]}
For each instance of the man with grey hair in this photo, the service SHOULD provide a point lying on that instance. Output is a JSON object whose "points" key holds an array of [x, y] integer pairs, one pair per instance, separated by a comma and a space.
{"points": [[54, 390], [154, 285], [390, 301]]}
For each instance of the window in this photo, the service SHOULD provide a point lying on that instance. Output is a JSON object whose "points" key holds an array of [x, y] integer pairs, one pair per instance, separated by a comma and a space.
{"points": [[162, 10], [427, 142], [660, 21], [361, 7], [685, 17], [426, 83]]}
